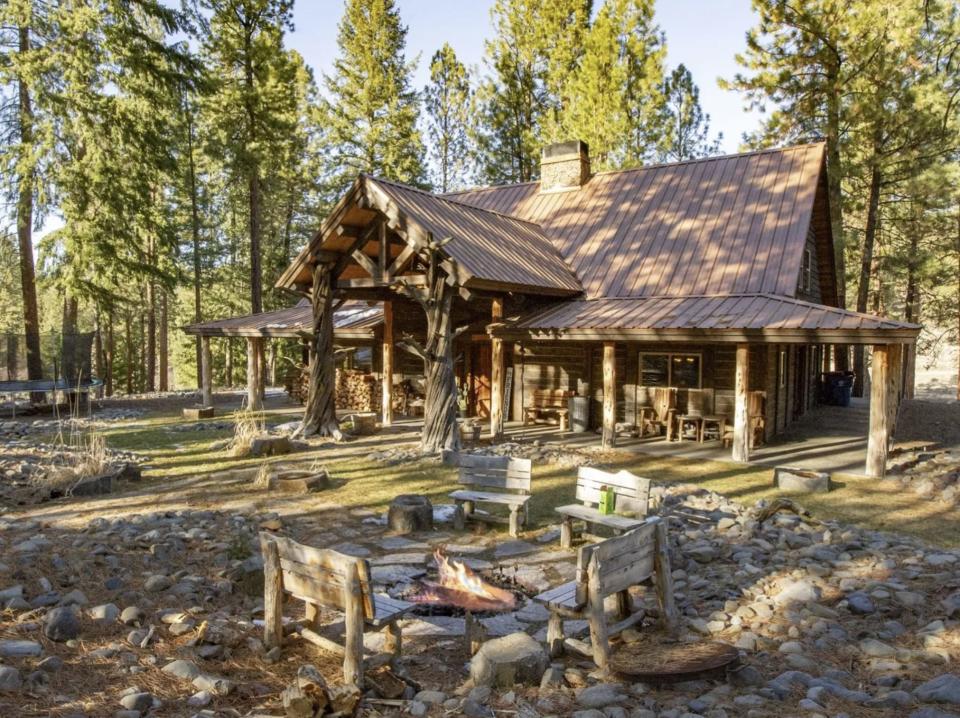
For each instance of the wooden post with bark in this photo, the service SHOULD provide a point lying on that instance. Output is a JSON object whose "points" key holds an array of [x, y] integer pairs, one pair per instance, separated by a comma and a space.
{"points": [[206, 372], [320, 413], [387, 372], [496, 374], [254, 376], [741, 418], [440, 404], [879, 437], [609, 435]]}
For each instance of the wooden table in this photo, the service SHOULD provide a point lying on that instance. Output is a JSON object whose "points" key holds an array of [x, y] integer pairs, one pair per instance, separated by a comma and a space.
{"points": [[719, 419], [696, 420], [642, 413]]}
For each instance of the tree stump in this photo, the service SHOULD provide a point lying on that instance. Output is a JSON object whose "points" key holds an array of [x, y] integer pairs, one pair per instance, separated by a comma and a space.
{"points": [[410, 513]]}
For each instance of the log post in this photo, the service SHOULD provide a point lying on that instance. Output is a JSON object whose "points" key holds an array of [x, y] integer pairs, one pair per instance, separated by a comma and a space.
{"points": [[320, 414], [663, 578], [879, 436], [909, 370], [254, 376], [595, 615], [555, 635], [353, 623], [609, 436], [496, 374], [895, 385], [741, 418], [206, 373], [386, 411], [272, 594]]}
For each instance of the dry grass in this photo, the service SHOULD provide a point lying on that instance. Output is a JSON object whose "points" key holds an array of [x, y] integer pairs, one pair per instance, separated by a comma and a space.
{"points": [[262, 479], [86, 456], [247, 426]]}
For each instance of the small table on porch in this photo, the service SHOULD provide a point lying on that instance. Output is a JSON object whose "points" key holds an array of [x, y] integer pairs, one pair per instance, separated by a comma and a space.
{"points": [[696, 420], [719, 420]]}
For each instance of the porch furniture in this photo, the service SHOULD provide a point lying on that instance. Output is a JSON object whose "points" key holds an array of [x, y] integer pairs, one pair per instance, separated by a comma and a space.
{"points": [[604, 569], [548, 401], [699, 403], [324, 578], [499, 480], [714, 420], [632, 495], [757, 417], [661, 416]]}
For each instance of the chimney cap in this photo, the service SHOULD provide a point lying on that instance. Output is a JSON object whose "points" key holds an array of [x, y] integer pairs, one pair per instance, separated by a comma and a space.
{"points": [[564, 149]]}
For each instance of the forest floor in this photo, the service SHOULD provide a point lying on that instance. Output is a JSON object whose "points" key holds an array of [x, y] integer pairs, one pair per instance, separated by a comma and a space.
{"points": [[193, 518]]}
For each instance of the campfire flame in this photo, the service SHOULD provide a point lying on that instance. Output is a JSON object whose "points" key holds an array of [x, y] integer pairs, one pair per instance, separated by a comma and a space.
{"points": [[458, 585]]}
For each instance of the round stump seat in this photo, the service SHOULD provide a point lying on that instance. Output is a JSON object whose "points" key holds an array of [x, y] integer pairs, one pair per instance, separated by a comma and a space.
{"points": [[410, 513]]}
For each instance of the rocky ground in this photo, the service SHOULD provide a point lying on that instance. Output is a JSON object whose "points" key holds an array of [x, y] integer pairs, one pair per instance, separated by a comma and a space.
{"points": [[156, 613]]}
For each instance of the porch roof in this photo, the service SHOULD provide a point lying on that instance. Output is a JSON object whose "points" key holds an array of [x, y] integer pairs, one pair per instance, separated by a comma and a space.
{"points": [[716, 318], [353, 320]]}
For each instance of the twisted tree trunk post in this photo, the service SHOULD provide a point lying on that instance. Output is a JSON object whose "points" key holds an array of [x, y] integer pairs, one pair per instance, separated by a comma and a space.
{"points": [[320, 415]]}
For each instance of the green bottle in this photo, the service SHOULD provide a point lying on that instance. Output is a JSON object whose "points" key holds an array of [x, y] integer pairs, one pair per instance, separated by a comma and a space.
{"points": [[608, 500]]}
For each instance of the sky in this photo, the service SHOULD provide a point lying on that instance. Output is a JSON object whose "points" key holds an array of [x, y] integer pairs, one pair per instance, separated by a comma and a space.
{"points": [[704, 35]]}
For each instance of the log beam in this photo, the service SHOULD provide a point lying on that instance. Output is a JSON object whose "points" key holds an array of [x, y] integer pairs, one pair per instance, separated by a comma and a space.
{"points": [[741, 418], [254, 375], [609, 436], [496, 374], [206, 373], [878, 439], [386, 399]]}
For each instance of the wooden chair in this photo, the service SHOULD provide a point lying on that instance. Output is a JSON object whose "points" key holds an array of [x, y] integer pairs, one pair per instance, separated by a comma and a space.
{"points": [[548, 401], [324, 578], [699, 404], [757, 417], [632, 497], [510, 479], [664, 405], [604, 569]]}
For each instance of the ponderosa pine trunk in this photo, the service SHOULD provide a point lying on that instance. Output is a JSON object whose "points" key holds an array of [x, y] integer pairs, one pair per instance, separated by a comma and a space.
{"points": [[163, 345], [128, 335], [150, 365], [195, 236], [320, 412], [108, 378], [440, 405], [25, 182], [866, 261]]}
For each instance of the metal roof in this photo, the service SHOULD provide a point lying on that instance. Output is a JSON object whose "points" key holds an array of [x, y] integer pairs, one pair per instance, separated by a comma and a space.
{"points": [[352, 319], [717, 225], [722, 317], [491, 247]]}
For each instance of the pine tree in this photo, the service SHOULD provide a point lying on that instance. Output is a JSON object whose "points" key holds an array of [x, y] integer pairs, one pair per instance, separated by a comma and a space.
{"points": [[536, 49], [687, 127], [370, 112], [253, 107], [447, 102]]}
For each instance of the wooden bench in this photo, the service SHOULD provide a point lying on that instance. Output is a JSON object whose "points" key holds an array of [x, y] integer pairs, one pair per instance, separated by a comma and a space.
{"points": [[324, 578], [632, 497], [548, 401], [604, 569], [499, 480]]}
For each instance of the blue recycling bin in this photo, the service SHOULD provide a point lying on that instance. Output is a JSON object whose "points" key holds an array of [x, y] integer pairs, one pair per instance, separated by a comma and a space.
{"points": [[837, 387]]}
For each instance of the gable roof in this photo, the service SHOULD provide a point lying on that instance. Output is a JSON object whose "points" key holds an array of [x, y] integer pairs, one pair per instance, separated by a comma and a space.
{"points": [[488, 246], [720, 225], [353, 320]]}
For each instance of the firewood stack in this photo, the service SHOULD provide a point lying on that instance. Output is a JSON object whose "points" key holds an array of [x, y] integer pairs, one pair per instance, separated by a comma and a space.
{"points": [[310, 696], [357, 391]]}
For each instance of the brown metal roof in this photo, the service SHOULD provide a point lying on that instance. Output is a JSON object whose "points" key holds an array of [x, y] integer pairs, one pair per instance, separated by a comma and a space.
{"points": [[718, 225], [725, 317], [491, 247], [352, 319]]}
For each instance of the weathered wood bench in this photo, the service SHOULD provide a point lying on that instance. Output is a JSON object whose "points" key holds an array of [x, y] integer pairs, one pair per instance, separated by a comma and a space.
{"points": [[604, 569], [499, 480], [548, 401], [632, 497], [324, 578]]}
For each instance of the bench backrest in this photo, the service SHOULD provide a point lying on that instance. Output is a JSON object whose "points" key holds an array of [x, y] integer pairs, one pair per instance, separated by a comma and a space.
{"points": [[699, 401], [632, 492], [664, 399], [551, 397], [756, 403], [496, 472], [621, 562], [320, 576]]}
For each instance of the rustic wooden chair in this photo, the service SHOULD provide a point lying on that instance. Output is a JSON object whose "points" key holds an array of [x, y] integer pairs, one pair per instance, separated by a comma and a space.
{"points": [[699, 405], [604, 569], [324, 578], [663, 407], [500, 480], [548, 401], [757, 417], [632, 497]]}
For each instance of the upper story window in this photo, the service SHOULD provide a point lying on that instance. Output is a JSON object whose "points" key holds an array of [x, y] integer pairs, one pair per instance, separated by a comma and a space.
{"points": [[805, 284]]}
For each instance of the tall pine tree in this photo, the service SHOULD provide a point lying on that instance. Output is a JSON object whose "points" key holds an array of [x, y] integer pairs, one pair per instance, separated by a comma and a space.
{"points": [[447, 103], [687, 126], [370, 111]]}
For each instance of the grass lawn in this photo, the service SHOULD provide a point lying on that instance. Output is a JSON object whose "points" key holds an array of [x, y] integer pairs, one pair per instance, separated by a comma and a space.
{"points": [[361, 483]]}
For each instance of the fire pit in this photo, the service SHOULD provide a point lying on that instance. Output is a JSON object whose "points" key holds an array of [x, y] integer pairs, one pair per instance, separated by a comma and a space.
{"points": [[457, 586]]}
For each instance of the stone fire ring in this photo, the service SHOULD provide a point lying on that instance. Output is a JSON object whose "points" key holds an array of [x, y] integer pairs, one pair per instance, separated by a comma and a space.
{"points": [[410, 513], [653, 661]]}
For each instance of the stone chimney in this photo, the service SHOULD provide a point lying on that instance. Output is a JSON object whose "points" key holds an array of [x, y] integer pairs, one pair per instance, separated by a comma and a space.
{"points": [[564, 166]]}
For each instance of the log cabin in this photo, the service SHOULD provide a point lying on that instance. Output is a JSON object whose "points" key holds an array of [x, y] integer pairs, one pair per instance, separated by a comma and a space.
{"points": [[703, 289]]}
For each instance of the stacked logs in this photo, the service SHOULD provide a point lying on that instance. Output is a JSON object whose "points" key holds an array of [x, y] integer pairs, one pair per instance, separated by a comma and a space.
{"points": [[355, 391], [311, 697]]}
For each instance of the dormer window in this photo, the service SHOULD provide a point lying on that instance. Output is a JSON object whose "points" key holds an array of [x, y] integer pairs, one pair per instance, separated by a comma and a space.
{"points": [[806, 272]]}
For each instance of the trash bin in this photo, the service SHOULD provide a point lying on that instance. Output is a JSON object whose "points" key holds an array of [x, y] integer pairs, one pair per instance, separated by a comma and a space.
{"points": [[837, 387], [579, 409]]}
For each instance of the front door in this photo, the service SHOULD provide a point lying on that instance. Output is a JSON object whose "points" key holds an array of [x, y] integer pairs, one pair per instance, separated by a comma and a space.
{"points": [[481, 368]]}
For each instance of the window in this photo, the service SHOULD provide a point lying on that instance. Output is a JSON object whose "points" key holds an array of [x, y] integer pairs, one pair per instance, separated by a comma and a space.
{"points": [[806, 272], [783, 368], [679, 370]]}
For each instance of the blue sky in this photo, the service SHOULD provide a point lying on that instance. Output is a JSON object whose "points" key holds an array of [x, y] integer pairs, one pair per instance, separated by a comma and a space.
{"points": [[702, 34]]}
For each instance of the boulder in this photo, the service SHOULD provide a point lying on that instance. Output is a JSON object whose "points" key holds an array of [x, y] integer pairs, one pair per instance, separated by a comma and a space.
{"points": [[61, 624], [503, 662], [270, 446], [800, 481], [942, 689]]}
